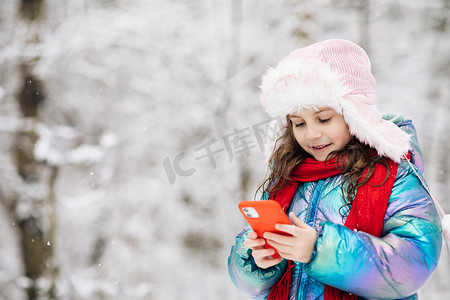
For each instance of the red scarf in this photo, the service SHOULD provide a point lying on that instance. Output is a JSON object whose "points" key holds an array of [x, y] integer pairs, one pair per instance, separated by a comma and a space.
{"points": [[366, 213]]}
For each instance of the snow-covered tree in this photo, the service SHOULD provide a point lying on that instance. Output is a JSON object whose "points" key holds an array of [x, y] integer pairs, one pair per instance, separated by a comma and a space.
{"points": [[147, 131]]}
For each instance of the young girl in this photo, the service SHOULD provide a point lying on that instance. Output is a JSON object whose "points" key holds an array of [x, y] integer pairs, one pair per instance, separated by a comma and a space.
{"points": [[363, 225]]}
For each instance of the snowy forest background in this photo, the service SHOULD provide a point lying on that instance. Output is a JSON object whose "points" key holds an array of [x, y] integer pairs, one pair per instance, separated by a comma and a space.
{"points": [[131, 129]]}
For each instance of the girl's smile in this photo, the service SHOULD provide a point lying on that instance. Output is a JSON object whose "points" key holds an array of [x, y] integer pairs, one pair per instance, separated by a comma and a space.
{"points": [[320, 147], [320, 132], [318, 150]]}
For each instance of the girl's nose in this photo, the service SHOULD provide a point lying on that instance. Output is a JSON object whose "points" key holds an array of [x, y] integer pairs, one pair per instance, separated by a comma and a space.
{"points": [[312, 133]]}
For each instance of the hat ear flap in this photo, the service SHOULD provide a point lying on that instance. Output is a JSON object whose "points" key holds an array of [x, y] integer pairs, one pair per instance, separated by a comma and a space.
{"points": [[366, 123]]}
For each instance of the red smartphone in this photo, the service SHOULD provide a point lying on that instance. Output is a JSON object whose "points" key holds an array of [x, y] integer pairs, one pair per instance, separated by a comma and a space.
{"points": [[262, 216]]}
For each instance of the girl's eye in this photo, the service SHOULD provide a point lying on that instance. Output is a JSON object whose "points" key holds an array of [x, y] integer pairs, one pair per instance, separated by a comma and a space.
{"points": [[324, 120], [299, 124]]}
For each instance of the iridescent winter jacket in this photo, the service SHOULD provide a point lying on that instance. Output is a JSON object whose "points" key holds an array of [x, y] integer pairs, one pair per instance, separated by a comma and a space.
{"points": [[395, 266]]}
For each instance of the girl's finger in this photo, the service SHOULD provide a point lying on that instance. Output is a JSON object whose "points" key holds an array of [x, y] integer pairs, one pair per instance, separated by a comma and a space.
{"points": [[265, 263], [279, 238], [252, 235], [253, 243], [281, 248], [262, 253], [297, 221]]}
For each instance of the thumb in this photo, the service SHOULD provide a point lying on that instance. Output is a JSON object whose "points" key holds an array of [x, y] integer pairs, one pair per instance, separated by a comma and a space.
{"points": [[296, 221]]}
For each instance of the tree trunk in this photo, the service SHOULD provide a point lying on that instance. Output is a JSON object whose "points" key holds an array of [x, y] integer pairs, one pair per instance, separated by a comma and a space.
{"points": [[31, 9], [33, 241], [36, 243]]}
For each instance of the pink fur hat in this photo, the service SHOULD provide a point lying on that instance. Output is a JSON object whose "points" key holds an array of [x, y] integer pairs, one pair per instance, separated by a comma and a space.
{"points": [[336, 74]]}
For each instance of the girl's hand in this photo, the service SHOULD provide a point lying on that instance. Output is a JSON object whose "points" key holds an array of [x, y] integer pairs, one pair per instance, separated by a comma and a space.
{"points": [[261, 255], [297, 247]]}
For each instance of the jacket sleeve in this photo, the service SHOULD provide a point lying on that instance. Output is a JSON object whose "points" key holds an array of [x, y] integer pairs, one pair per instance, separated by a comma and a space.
{"points": [[246, 275], [394, 266]]}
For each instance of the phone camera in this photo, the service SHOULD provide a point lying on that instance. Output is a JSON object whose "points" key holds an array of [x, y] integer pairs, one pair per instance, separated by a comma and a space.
{"points": [[250, 212]]}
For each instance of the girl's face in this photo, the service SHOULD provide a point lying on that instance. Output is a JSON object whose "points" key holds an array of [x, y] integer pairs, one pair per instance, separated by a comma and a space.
{"points": [[319, 132]]}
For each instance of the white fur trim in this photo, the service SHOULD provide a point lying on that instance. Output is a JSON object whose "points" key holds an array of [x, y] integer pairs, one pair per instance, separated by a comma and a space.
{"points": [[298, 84]]}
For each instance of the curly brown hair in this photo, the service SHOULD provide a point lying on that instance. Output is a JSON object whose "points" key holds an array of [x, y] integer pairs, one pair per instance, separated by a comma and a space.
{"points": [[353, 160]]}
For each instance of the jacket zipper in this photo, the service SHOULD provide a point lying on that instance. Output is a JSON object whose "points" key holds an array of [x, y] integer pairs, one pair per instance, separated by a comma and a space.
{"points": [[312, 210]]}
